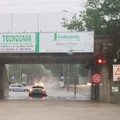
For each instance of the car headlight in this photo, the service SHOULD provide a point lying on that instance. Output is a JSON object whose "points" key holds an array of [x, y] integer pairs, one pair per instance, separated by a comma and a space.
{"points": [[30, 90]]}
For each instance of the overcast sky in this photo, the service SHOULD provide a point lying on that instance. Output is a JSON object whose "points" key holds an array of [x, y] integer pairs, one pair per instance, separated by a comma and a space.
{"points": [[50, 12], [31, 6]]}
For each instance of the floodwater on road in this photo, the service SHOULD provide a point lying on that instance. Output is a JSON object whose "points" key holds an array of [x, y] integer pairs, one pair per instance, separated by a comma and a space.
{"points": [[57, 110], [54, 91], [60, 104], [58, 94]]}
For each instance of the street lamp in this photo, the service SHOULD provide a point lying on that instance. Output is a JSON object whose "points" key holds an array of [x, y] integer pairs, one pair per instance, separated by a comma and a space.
{"points": [[118, 54], [115, 60], [66, 11], [64, 18]]}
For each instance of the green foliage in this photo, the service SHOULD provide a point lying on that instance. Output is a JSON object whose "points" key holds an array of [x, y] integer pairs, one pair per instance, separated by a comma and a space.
{"points": [[74, 24], [102, 16], [31, 70], [14, 71]]}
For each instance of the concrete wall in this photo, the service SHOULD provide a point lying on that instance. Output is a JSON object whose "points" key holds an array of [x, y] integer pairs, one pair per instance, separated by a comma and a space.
{"points": [[4, 91], [104, 90]]}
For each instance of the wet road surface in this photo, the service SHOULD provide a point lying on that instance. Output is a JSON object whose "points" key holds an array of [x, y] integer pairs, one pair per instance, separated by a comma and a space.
{"points": [[57, 110]]}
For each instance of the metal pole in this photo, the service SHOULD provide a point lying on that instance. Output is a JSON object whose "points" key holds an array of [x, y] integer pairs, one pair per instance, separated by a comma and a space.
{"points": [[64, 18], [63, 72], [75, 83], [20, 75], [12, 23], [118, 92], [68, 77], [37, 22]]}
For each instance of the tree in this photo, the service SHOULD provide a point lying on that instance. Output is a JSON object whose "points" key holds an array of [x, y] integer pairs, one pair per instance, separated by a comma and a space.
{"points": [[31, 70], [102, 17]]}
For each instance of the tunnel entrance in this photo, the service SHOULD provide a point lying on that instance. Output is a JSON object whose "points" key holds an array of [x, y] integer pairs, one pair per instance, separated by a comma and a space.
{"points": [[61, 81], [66, 51]]}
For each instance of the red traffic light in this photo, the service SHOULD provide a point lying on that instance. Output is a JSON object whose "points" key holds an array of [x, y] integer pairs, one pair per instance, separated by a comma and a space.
{"points": [[101, 61], [104, 61]]}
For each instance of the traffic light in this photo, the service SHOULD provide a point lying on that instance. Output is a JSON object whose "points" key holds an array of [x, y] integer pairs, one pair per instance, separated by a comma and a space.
{"points": [[104, 61], [101, 61]]}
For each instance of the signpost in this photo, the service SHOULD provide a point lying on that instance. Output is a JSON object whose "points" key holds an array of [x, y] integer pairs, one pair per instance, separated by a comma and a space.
{"points": [[96, 78], [116, 72], [116, 77]]}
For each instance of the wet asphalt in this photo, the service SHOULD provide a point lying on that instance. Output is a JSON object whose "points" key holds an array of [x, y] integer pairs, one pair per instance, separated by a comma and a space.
{"points": [[42, 109]]}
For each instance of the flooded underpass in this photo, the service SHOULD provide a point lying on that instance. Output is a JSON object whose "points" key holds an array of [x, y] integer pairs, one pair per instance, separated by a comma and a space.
{"points": [[55, 92]]}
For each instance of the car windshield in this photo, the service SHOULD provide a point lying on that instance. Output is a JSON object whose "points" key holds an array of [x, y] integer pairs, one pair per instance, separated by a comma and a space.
{"points": [[38, 87]]}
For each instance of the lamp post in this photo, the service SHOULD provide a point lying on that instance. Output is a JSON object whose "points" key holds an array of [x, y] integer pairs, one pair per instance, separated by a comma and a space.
{"points": [[71, 13], [20, 74], [63, 67], [64, 18], [68, 77], [75, 81], [116, 60], [70, 52], [118, 55]]}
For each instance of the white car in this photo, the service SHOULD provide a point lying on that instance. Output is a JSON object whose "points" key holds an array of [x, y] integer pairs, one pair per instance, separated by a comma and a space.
{"points": [[37, 91], [17, 88]]}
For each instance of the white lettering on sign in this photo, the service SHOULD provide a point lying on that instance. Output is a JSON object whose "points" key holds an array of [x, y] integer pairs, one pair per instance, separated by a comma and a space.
{"points": [[78, 42], [18, 43], [96, 78]]}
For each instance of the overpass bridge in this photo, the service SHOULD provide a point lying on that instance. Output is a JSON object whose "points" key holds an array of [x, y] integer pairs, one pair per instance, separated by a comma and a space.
{"points": [[56, 57], [46, 58], [35, 58]]}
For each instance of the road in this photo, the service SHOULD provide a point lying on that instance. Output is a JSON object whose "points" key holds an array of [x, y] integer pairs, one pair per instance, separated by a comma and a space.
{"points": [[57, 110], [59, 105], [54, 91]]}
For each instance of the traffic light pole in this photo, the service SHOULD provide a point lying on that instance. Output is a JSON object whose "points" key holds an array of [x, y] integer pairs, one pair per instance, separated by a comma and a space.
{"points": [[98, 67]]}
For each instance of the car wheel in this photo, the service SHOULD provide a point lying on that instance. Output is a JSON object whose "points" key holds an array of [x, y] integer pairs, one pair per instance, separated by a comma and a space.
{"points": [[25, 90], [11, 90], [30, 95]]}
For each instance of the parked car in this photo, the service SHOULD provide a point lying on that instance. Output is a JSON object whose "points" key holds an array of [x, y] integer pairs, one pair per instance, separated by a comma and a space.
{"points": [[37, 91], [17, 88]]}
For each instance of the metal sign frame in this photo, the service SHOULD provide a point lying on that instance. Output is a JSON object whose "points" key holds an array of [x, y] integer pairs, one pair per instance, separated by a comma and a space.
{"points": [[116, 72]]}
